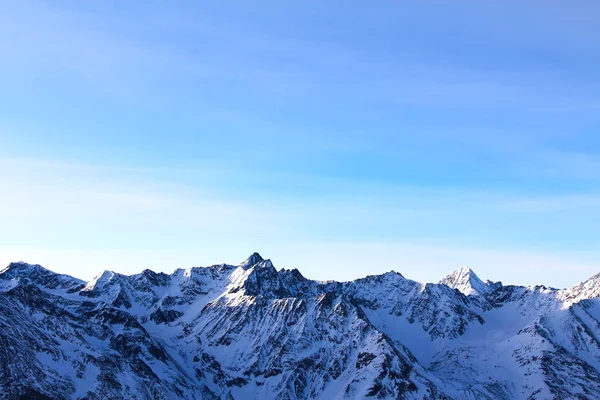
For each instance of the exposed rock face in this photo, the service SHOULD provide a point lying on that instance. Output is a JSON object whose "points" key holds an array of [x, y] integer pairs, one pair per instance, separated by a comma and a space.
{"points": [[252, 332]]}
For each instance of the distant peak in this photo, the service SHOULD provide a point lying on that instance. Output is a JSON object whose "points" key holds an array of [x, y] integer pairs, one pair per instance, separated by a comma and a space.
{"points": [[22, 269], [466, 281], [39, 275], [100, 281], [263, 264], [23, 265], [463, 273], [254, 259], [466, 271], [595, 277], [588, 289]]}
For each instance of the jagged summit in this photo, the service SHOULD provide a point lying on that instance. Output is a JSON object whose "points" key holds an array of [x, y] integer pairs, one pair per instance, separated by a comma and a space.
{"points": [[254, 259], [21, 269], [39, 275], [466, 281]]}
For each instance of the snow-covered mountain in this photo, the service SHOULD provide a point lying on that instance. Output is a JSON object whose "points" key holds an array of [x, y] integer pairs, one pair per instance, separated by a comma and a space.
{"points": [[253, 332], [468, 283]]}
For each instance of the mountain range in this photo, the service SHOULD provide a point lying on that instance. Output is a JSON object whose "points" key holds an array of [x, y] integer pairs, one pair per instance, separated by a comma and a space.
{"points": [[250, 331]]}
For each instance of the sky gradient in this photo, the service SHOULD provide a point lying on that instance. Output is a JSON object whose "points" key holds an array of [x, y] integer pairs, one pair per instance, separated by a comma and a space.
{"points": [[342, 139]]}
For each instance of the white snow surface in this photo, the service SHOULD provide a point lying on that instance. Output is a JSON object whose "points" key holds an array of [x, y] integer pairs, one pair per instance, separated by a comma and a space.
{"points": [[467, 282], [252, 332]]}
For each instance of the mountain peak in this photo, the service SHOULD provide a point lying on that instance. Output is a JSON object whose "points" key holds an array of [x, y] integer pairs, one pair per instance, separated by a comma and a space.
{"points": [[39, 275], [254, 259], [466, 281], [100, 281], [588, 289], [21, 269], [467, 270], [34, 272]]}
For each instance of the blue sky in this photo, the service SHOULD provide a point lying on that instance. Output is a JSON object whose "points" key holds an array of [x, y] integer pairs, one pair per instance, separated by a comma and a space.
{"points": [[340, 139]]}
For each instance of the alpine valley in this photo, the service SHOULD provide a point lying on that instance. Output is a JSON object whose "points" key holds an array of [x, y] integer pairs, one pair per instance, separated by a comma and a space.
{"points": [[253, 332]]}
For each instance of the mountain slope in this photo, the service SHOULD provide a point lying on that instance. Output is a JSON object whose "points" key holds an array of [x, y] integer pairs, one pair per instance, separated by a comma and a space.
{"points": [[253, 332]]}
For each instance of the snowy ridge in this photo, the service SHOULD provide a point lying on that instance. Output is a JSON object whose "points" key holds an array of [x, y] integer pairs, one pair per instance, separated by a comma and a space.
{"points": [[589, 289], [254, 332]]}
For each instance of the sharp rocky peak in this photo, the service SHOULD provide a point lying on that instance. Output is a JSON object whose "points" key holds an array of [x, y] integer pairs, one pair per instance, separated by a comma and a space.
{"points": [[466, 281], [264, 279], [254, 259]]}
